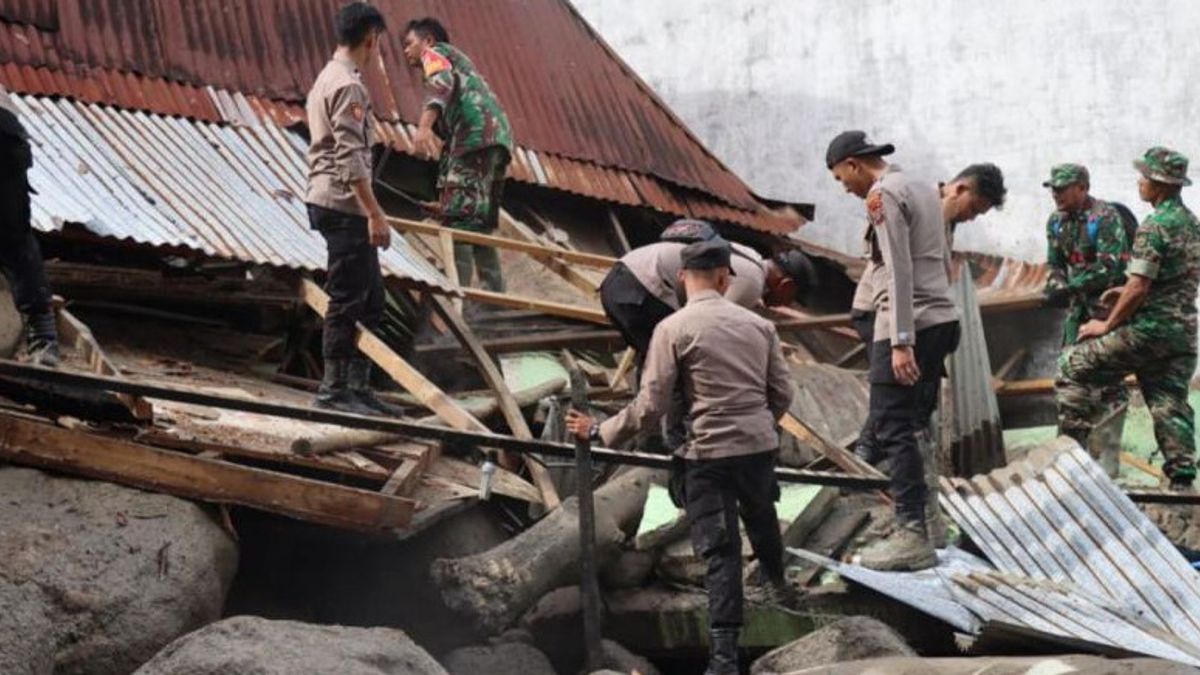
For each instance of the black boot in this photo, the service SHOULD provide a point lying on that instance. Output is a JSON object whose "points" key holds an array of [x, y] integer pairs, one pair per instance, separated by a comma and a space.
{"points": [[41, 339], [722, 652], [335, 392], [360, 385]]}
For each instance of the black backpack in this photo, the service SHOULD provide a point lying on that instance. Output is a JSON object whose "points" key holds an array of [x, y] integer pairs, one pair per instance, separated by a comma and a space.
{"points": [[1128, 221], [16, 155]]}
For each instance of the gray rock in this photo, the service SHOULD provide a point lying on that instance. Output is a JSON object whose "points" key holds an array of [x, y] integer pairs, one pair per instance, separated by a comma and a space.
{"points": [[622, 660], [629, 570], [512, 658], [249, 645], [95, 578], [849, 639], [10, 322]]}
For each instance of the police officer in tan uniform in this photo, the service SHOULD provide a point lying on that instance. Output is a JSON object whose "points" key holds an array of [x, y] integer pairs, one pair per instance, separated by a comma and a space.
{"points": [[730, 364], [343, 208], [916, 327]]}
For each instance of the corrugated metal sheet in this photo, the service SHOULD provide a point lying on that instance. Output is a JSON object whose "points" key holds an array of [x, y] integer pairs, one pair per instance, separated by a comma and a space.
{"points": [[1054, 515], [570, 98], [232, 192], [976, 442]]}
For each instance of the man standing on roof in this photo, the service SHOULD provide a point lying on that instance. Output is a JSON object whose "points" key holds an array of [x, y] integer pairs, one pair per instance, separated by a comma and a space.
{"points": [[1151, 328], [916, 327], [730, 364], [20, 256], [342, 207], [474, 148]]}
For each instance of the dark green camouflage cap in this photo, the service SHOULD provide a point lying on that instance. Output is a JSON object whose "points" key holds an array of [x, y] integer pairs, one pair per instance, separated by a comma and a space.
{"points": [[1164, 165], [1063, 175]]}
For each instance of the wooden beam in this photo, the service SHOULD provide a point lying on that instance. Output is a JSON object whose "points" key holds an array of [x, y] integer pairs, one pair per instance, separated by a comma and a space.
{"points": [[504, 396], [449, 266], [44, 445], [552, 263], [76, 333], [618, 232], [844, 459], [466, 237], [623, 367], [543, 306], [406, 476], [571, 339], [408, 377]]}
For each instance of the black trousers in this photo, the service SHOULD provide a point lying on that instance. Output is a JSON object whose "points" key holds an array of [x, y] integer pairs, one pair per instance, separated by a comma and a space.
{"points": [[718, 490], [20, 255], [633, 310], [353, 281], [864, 324], [900, 411]]}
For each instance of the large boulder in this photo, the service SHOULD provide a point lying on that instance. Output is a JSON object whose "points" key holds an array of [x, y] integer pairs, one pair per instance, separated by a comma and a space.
{"points": [[96, 578], [510, 658], [249, 645], [10, 322], [849, 639]]}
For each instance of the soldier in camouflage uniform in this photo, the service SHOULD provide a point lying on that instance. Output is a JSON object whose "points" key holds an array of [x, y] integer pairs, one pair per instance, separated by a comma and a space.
{"points": [[1087, 249], [475, 148], [1151, 330]]}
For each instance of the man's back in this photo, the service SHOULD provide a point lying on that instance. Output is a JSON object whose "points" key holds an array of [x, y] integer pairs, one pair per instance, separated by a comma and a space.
{"points": [[472, 117], [1168, 244], [657, 267], [339, 121]]}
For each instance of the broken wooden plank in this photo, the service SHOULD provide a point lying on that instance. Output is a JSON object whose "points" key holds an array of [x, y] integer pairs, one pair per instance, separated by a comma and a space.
{"points": [[544, 306], [468, 237], [404, 479], [829, 540], [811, 517], [44, 445], [76, 333], [618, 232], [504, 397], [449, 266], [623, 367], [408, 377], [844, 459]]}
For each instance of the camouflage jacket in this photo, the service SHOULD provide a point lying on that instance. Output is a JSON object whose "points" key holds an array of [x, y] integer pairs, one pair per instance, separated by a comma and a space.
{"points": [[1087, 251], [471, 117], [1166, 250]]}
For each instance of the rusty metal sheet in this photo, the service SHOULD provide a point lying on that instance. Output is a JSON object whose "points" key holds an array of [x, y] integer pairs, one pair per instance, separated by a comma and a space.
{"points": [[590, 120], [231, 192]]}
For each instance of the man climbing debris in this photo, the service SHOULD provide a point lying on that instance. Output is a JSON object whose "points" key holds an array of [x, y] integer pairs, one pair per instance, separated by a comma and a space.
{"points": [[1150, 330], [20, 256], [343, 208], [465, 128]]}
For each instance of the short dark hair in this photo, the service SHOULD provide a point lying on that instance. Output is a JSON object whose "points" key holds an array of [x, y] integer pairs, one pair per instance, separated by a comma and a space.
{"points": [[356, 21], [428, 27], [988, 182]]}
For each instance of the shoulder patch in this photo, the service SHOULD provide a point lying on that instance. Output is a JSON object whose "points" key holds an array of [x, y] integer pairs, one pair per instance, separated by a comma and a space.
{"points": [[434, 63], [357, 111], [875, 208]]}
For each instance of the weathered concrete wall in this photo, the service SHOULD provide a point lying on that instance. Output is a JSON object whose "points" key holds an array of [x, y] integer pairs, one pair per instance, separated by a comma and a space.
{"points": [[1022, 83]]}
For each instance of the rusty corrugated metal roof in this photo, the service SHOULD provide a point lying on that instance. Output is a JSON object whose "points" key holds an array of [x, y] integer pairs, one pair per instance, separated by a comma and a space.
{"points": [[231, 192], [571, 100]]}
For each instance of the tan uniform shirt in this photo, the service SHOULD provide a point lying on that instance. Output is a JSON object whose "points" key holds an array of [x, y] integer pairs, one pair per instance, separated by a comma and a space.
{"points": [[657, 267], [864, 292], [732, 369], [339, 119], [907, 235]]}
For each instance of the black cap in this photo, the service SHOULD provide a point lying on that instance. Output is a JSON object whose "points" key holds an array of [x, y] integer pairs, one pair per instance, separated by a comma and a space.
{"points": [[854, 144], [799, 267], [707, 255], [688, 230]]}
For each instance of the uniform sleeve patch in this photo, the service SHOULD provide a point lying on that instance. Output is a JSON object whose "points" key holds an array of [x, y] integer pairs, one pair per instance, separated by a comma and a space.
{"points": [[357, 111], [875, 208], [434, 62]]}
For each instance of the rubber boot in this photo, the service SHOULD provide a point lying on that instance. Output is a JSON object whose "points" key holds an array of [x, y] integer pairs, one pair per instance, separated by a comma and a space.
{"points": [[334, 392], [1181, 472], [906, 549], [360, 385], [722, 652], [41, 339]]}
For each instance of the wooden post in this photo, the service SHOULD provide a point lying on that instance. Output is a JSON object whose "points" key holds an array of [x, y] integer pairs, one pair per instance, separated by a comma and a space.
{"points": [[76, 333], [450, 266], [589, 584]]}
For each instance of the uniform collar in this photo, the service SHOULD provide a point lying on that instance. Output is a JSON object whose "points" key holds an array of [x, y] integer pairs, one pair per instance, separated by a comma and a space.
{"points": [[704, 296], [347, 62]]}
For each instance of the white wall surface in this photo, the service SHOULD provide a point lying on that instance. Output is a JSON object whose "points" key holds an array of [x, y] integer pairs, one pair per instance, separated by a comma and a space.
{"points": [[1022, 83]]}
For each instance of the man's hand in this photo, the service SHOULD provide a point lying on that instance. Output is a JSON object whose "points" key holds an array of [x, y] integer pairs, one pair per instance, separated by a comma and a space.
{"points": [[432, 209], [1109, 298], [579, 424], [1093, 329], [427, 144], [378, 231], [904, 365]]}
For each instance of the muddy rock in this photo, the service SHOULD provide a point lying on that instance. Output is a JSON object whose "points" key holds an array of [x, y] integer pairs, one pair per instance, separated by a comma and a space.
{"points": [[849, 639], [512, 658], [622, 660], [10, 322], [1179, 522], [249, 645], [96, 578], [630, 569]]}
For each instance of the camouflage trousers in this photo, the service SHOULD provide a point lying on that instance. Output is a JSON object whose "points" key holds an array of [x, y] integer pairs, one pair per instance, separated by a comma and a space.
{"points": [[471, 188], [1077, 314], [1089, 371]]}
